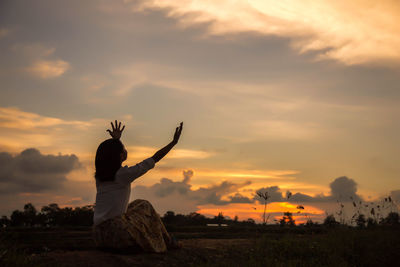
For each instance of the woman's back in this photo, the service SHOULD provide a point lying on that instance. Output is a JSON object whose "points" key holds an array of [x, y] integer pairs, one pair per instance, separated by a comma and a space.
{"points": [[112, 197], [111, 200]]}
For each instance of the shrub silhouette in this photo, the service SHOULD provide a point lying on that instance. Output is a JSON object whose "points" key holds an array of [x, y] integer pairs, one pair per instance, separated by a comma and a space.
{"points": [[361, 221], [287, 219], [330, 221]]}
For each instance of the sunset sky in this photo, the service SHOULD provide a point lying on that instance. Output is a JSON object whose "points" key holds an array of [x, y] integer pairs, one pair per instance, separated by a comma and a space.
{"points": [[291, 95]]}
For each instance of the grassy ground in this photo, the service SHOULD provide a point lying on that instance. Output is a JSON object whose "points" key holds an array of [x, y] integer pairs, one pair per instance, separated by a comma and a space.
{"points": [[258, 246]]}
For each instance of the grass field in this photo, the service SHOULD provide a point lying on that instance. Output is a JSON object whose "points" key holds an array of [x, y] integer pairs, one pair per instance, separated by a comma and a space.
{"points": [[202, 246]]}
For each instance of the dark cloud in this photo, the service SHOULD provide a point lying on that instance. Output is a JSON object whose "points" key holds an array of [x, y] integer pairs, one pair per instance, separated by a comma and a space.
{"points": [[170, 195], [274, 193], [342, 189], [181, 197], [187, 175], [238, 198], [213, 194], [167, 187], [300, 197], [30, 171]]}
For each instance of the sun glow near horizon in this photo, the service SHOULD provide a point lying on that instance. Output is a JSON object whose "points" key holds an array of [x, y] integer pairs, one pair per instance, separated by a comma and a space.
{"points": [[256, 211]]}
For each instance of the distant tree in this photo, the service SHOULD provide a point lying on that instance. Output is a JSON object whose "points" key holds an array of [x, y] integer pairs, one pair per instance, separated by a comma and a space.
{"points": [[29, 214], [4, 221], [391, 219], [17, 218], [220, 218], [361, 221], [52, 214], [287, 219], [250, 221], [236, 219], [168, 217], [371, 222], [330, 220], [81, 216], [195, 218], [310, 223]]}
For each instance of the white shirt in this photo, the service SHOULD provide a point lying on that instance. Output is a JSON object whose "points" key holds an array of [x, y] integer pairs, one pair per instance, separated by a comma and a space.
{"points": [[113, 196]]}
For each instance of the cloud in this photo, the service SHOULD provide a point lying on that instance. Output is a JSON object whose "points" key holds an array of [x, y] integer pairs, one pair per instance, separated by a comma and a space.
{"points": [[239, 198], [179, 196], [142, 151], [21, 129], [274, 193], [355, 32], [342, 189], [32, 172], [46, 69], [14, 118], [213, 194], [39, 61], [187, 175]]}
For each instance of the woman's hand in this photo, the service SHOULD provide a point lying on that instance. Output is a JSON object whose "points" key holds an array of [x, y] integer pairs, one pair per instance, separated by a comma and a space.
{"points": [[164, 151], [177, 134], [116, 131]]}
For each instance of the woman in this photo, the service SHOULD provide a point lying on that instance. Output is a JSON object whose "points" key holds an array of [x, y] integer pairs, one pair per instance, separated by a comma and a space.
{"points": [[116, 224]]}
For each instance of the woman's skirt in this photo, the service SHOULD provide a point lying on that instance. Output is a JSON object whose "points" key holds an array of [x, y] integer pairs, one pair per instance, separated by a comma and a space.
{"points": [[140, 228]]}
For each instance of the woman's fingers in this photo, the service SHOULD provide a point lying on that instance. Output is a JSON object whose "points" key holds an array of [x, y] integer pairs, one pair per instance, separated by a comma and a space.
{"points": [[180, 128], [116, 126], [123, 127]]}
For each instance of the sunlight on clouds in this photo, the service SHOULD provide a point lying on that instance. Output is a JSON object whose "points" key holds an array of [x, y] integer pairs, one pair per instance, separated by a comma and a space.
{"points": [[187, 153], [355, 32], [141, 152], [272, 174], [15, 118], [36, 57], [20, 130], [46, 69]]}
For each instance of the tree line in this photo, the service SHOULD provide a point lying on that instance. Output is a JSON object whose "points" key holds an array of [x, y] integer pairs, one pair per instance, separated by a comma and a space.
{"points": [[52, 215]]}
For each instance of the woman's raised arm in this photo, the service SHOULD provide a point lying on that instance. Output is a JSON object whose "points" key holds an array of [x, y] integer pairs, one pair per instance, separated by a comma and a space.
{"points": [[164, 151]]}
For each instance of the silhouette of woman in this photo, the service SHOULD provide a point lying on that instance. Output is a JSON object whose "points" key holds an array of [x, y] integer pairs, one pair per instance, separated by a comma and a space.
{"points": [[117, 224]]}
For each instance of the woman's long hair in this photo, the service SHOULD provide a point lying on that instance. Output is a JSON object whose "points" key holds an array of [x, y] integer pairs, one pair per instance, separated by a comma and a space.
{"points": [[108, 159]]}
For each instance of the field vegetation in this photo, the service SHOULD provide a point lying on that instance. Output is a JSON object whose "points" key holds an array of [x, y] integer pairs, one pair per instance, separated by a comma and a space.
{"points": [[62, 237]]}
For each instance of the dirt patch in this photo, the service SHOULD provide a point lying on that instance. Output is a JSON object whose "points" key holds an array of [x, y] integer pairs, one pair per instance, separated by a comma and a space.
{"points": [[193, 252]]}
